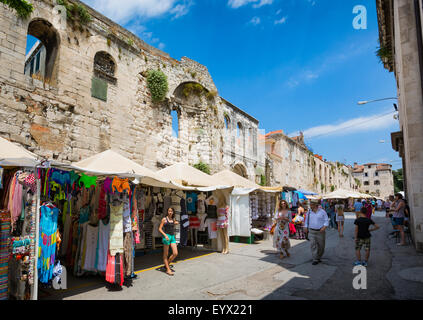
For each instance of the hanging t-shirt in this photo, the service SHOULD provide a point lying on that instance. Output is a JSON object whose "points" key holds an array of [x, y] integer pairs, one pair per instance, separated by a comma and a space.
{"points": [[212, 228], [191, 202], [212, 201]]}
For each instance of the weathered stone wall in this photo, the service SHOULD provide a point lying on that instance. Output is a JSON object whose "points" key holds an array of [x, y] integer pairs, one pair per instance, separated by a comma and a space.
{"points": [[59, 119], [374, 181], [290, 163], [407, 71]]}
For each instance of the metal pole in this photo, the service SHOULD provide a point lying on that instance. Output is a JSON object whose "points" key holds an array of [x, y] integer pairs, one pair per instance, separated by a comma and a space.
{"points": [[37, 237]]}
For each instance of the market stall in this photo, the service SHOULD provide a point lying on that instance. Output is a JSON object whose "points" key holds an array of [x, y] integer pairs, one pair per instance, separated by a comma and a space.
{"points": [[19, 200], [205, 218], [251, 206]]}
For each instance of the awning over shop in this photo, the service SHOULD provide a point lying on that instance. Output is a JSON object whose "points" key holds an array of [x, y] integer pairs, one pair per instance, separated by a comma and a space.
{"points": [[345, 194], [13, 155], [185, 175], [112, 163], [234, 180]]}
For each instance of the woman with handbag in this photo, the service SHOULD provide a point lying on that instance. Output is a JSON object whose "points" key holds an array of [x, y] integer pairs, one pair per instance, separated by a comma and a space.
{"points": [[281, 232]]}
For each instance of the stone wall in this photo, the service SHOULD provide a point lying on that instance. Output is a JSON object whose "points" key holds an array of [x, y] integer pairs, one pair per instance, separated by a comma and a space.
{"points": [[407, 71], [290, 163], [58, 118]]}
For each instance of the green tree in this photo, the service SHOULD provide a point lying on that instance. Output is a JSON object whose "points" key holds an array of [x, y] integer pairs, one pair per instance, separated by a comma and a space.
{"points": [[202, 167], [398, 180]]}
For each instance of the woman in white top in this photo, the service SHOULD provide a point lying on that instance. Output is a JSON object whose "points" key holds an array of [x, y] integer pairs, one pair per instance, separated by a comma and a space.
{"points": [[340, 218], [281, 235]]}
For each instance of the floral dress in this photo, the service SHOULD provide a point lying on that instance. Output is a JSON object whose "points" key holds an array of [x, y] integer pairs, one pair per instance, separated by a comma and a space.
{"points": [[281, 236]]}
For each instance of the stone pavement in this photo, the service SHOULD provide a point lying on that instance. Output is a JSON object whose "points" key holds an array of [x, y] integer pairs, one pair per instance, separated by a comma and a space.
{"points": [[256, 272]]}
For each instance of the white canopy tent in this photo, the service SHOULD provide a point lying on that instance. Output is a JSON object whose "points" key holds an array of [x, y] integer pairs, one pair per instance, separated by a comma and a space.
{"points": [[112, 163], [235, 180], [183, 174], [345, 194], [12, 155]]}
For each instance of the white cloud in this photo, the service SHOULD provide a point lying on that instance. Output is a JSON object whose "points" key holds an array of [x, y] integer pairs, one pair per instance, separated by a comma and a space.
{"points": [[181, 9], [161, 45], [123, 12], [255, 21], [279, 11], [356, 125], [239, 3], [281, 20], [328, 61], [262, 3]]}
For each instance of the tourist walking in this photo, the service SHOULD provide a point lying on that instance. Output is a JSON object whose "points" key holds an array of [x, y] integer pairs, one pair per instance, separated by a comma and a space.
{"points": [[281, 234], [362, 236], [331, 215], [316, 223], [357, 207], [299, 222], [398, 217], [340, 218], [167, 229]]}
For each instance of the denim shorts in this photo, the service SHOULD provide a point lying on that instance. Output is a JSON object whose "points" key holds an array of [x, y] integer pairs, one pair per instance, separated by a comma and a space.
{"points": [[397, 221]]}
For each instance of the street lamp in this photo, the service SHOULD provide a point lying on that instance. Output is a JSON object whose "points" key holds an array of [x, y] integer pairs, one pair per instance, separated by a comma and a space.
{"points": [[366, 102]]}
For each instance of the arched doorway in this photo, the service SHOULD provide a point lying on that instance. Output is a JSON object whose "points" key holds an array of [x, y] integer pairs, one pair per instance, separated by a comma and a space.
{"points": [[241, 170]]}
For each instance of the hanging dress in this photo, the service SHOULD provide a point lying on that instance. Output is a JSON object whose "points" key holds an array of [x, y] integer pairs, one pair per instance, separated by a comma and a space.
{"points": [[47, 240]]}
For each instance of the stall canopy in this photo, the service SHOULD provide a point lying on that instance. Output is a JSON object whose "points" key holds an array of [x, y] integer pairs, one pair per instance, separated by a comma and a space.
{"points": [[184, 174], [13, 155], [234, 180], [345, 194], [112, 163], [308, 193]]}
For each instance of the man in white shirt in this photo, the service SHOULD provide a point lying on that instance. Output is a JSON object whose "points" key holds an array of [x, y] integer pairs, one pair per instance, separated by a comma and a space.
{"points": [[315, 226]]}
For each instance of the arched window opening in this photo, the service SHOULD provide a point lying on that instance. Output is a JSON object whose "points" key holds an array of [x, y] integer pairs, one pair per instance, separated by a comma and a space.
{"points": [[41, 50], [104, 67], [227, 122], [239, 130], [175, 123], [377, 182], [104, 73]]}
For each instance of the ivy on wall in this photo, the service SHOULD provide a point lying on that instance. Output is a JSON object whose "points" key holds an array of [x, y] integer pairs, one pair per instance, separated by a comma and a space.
{"points": [[157, 84], [23, 8]]}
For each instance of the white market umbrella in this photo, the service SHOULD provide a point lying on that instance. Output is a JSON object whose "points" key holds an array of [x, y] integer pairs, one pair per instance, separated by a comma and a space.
{"points": [[234, 180], [14, 155], [112, 163], [184, 174]]}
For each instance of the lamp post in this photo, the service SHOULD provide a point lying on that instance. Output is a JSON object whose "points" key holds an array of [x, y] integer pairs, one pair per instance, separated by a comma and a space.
{"points": [[366, 102]]}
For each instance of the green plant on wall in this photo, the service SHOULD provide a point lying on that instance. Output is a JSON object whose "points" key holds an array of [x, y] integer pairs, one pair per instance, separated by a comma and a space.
{"points": [[263, 181], [130, 42], [322, 186], [192, 88], [357, 182], [204, 167], [157, 84], [332, 188], [384, 53], [23, 8], [211, 95], [76, 11]]}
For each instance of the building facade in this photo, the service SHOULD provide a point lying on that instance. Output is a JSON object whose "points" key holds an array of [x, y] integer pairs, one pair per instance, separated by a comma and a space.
{"points": [[92, 95], [290, 163], [375, 179], [401, 38]]}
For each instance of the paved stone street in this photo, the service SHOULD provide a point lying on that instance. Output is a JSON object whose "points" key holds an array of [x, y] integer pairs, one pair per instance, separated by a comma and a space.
{"points": [[256, 272]]}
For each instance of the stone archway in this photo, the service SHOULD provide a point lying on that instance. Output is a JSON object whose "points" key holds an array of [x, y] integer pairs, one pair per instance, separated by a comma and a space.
{"points": [[241, 170]]}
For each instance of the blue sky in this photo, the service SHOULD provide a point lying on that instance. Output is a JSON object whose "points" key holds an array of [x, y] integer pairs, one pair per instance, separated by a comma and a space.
{"points": [[292, 64]]}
